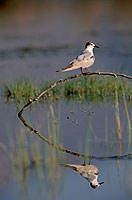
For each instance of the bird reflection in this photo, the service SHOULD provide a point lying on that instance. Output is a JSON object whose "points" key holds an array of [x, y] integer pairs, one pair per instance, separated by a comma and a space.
{"points": [[90, 172]]}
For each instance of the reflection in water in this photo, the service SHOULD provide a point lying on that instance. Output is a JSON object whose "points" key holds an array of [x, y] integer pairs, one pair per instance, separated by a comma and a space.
{"points": [[60, 148], [118, 121], [90, 172], [34, 43], [55, 124], [53, 173], [37, 164]]}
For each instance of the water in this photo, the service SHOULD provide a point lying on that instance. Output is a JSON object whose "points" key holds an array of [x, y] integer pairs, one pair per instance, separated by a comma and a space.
{"points": [[36, 39], [37, 43], [47, 179]]}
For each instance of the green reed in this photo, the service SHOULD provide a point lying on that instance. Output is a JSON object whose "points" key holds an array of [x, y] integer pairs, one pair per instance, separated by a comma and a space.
{"points": [[20, 90], [128, 118], [91, 89], [117, 117]]}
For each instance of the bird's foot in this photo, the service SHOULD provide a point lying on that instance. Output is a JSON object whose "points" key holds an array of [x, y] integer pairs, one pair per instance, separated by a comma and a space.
{"points": [[87, 71]]}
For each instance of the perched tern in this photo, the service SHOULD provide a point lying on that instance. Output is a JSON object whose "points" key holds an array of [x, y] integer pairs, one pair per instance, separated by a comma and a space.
{"points": [[84, 60], [90, 172]]}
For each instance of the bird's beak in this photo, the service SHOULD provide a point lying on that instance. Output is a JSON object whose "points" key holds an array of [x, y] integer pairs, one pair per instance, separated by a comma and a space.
{"points": [[96, 46], [101, 183]]}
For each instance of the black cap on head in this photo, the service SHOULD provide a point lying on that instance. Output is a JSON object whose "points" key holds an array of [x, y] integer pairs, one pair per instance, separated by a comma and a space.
{"points": [[87, 44], [93, 186], [90, 44]]}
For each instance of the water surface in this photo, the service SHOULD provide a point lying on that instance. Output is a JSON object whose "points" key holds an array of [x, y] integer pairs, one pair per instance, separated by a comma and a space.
{"points": [[36, 39]]}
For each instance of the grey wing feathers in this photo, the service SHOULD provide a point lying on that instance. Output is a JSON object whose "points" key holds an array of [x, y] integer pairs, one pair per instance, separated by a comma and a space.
{"points": [[76, 63], [83, 56], [91, 177], [74, 167]]}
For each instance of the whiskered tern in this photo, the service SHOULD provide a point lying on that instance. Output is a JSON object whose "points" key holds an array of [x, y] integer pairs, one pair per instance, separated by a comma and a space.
{"points": [[84, 60]]}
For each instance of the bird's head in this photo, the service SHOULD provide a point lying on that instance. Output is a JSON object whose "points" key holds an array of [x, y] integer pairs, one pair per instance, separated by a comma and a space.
{"points": [[94, 186], [90, 45]]}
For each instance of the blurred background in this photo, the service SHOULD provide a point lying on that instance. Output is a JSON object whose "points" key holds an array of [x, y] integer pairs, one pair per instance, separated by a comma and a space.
{"points": [[39, 37], [36, 39]]}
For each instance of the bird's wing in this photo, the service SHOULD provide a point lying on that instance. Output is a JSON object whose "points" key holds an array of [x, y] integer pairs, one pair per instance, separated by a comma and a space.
{"points": [[83, 56], [78, 168], [75, 62], [67, 67], [91, 177], [80, 59], [74, 167]]}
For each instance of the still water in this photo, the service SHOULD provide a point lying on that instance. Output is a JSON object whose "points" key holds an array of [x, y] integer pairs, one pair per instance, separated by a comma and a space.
{"points": [[36, 39]]}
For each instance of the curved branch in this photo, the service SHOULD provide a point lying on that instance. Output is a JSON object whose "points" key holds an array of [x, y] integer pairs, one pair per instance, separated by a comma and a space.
{"points": [[31, 101], [68, 79], [32, 130]]}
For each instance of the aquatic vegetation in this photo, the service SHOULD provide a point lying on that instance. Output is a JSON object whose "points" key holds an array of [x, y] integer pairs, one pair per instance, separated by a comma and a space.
{"points": [[128, 117], [19, 90], [90, 89], [118, 121]]}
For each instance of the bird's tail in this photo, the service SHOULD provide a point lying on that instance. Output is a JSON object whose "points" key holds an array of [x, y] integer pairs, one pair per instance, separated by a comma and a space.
{"points": [[59, 70], [74, 167], [62, 70], [67, 68]]}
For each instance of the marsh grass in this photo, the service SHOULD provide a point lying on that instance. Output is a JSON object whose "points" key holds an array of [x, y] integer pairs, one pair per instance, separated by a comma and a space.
{"points": [[118, 121], [128, 117], [29, 152], [20, 90], [54, 136], [91, 89]]}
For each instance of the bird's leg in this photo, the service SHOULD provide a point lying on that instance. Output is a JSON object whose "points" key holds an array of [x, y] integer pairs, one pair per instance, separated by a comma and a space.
{"points": [[84, 164], [89, 161], [81, 70], [86, 71]]}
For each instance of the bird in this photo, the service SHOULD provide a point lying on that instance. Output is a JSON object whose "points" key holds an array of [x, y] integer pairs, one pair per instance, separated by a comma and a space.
{"points": [[84, 60], [89, 172]]}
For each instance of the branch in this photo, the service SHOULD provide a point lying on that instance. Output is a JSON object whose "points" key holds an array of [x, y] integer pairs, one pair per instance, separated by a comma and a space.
{"points": [[32, 130], [31, 101]]}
